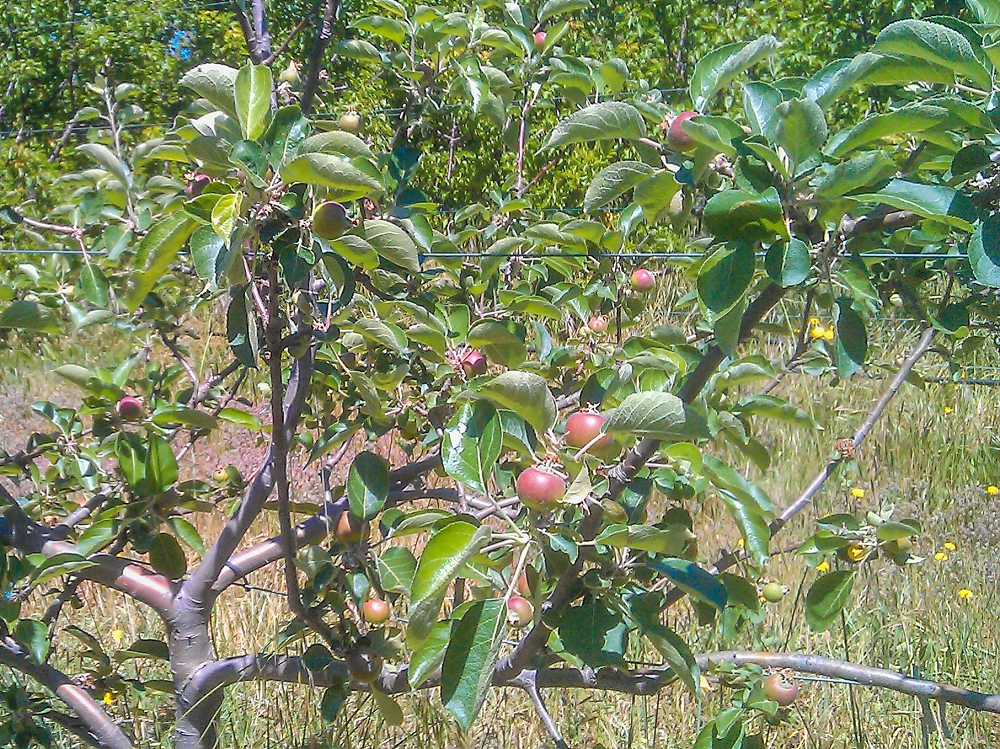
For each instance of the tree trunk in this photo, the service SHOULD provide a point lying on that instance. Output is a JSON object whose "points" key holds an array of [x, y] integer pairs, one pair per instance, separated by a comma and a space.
{"points": [[191, 649]]}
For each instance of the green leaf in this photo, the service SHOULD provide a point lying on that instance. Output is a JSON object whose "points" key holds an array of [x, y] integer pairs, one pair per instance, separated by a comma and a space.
{"points": [[333, 699], [97, 536], [25, 315], [753, 527], [187, 533], [614, 181], [936, 44], [429, 656], [396, 567], [827, 597], [94, 285], [156, 253], [379, 333], [253, 99], [907, 120], [161, 465], [670, 541], [337, 142], [388, 708], [609, 120], [241, 328], [167, 556], [444, 555], [594, 633], [467, 671], [331, 171], [110, 161], [217, 83], [850, 348], [801, 129], [392, 243], [931, 201], [725, 276], [553, 8], [471, 444], [187, 416], [654, 194], [745, 216], [776, 408], [693, 580], [58, 565], [859, 171], [367, 485], [874, 69], [498, 343], [788, 263], [656, 414], [286, 134], [387, 28], [727, 478], [34, 635], [984, 251], [759, 103], [719, 68], [524, 393]]}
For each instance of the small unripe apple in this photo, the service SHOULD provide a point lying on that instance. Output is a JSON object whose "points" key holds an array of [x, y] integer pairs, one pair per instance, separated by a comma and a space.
{"points": [[598, 324], [642, 280], [899, 547], [676, 137], [130, 408], [584, 426], [781, 689], [519, 611], [539, 38], [289, 74], [349, 530], [363, 664], [375, 611], [540, 489], [221, 475], [773, 592], [350, 122], [196, 185], [330, 220], [473, 363]]}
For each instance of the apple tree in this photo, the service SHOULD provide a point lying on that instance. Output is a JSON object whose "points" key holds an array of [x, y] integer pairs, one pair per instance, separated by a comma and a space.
{"points": [[512, 443]]}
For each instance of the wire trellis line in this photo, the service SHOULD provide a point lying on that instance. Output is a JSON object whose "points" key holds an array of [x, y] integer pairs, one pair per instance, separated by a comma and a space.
{"points": [[83, 19]]}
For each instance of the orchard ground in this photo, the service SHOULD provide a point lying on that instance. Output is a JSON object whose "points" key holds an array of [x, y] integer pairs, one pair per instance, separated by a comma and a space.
{"points": [[934, 454]]}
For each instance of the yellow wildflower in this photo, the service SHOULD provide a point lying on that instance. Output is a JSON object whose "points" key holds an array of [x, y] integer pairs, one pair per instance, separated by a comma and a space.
{"points": [[992, 490], [823, 566], [828, 334], [965, 594], [949, 546], [940, 556], [117, 635], [948, 409], [109, 699], [858, 493], [740, 543], [814, 321], [818, 331]]}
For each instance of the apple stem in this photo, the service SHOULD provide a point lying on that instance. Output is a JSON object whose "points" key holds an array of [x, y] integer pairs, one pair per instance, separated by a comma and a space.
{"points": [[583, 450], [518, 569]]}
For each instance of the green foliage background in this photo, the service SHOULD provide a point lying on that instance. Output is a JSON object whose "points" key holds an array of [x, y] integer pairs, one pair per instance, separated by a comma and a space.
{"points": [[50, 51]]}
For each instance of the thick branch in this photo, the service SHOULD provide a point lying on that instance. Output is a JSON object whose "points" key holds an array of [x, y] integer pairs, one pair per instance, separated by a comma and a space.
{"points": [[29, 537], [323, 36], [105, 732], [198, 588]]}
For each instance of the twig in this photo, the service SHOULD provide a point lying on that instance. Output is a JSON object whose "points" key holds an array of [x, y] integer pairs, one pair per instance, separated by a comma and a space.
{"points": [[323, 36]]}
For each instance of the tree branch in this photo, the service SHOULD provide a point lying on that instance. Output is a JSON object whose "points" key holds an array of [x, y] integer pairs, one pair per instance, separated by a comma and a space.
{"points": [[198, 588], [730, 559], [104, 730], [324, 34]]}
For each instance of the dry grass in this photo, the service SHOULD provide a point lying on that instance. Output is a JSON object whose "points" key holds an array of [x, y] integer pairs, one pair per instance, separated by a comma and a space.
{"points": [[933, 463]]}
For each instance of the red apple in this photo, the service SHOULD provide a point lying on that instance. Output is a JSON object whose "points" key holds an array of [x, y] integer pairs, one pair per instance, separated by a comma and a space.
{"points": [[598, 324], [523, 585], [519, 611], [781, 689], [375, 611], [196, 185], [130, 408], [539, 39], [676, 137], [351, 122], [584, 426], [349, 530], [540, 489], [473, 363], [643, 280]]}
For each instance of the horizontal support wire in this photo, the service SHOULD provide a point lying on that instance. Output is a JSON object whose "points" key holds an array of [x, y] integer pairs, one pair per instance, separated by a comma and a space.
{"points": [[83, 19]]}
